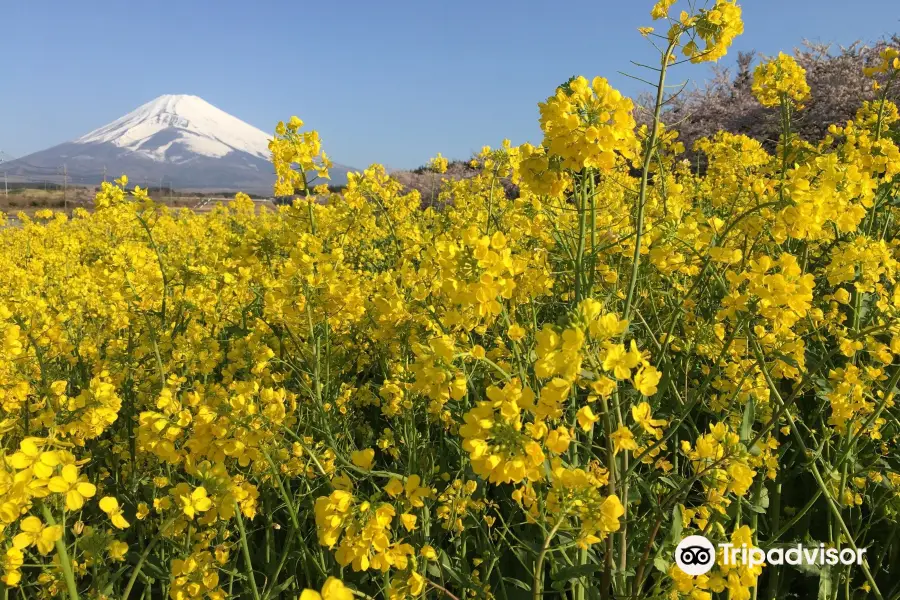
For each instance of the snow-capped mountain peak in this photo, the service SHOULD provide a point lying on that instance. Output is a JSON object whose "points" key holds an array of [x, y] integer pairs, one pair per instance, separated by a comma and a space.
{"points": [[178, 141], [176, 127]]}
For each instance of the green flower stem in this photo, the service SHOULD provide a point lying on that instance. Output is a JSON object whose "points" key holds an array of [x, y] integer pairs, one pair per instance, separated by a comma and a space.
{"points": [[309, 203], [64, 560], [245, 547], [439, 588], [814, 468], [638, 581], [579, 252], [645, 177], [538, 587], [143, 558], [341, 458], [775, 504], [159, 259], [292, 512], [793, 521]]}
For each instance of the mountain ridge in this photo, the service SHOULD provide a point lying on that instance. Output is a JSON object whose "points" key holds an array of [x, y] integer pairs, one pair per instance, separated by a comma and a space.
{"points": [[174, 140]]}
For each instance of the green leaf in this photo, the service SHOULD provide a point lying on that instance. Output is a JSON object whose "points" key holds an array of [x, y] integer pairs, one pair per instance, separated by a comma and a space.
{"points": [[518, 583], [575, 572], [281, 587], [677, 525], [634, 495], [748, 420], [661, 564], [669, 482], [644, 486], [153, 568], [787, 359], [449, 570], [825, 584], [807, 569]]}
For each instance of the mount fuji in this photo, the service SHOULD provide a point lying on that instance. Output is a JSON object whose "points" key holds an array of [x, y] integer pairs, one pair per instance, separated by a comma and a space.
{"points": [[178, 141]]}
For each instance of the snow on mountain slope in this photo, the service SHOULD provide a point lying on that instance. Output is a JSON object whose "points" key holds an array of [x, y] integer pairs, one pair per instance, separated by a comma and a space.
{"points": [[175, 128], [176, 140]]}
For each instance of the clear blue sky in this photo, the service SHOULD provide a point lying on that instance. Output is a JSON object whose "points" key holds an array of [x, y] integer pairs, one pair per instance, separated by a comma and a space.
{"points": [[392, 82]]}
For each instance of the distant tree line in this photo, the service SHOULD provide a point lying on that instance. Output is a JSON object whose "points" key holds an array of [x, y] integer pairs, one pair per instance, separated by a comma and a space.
{"points": [[835, 76], [838, 89]]}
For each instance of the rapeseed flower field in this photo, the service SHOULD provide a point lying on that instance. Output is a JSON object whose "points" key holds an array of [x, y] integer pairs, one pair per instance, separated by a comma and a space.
{"points": [[491, 397]]}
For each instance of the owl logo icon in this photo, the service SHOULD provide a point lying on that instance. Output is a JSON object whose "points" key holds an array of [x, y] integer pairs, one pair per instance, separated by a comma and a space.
{"points": [[695, 555]]}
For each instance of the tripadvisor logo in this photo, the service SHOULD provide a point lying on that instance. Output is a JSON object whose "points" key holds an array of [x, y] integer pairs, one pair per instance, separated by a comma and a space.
{"points": [[696, 555]]}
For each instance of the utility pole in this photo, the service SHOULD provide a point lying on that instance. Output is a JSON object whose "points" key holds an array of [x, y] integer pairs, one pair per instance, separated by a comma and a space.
{"points": [[5, 185], [104, 173], [65, 188]]}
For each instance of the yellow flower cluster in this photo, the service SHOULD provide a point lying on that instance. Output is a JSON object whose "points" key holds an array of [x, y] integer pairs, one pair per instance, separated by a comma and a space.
{"points": [[588, 125], [779, 79], [889, 61], [717, 28], [297, 156], [499, 449], [577, 493], [438, 164], [721, 462], [363, 531], [711, 30], [465, 397]]}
